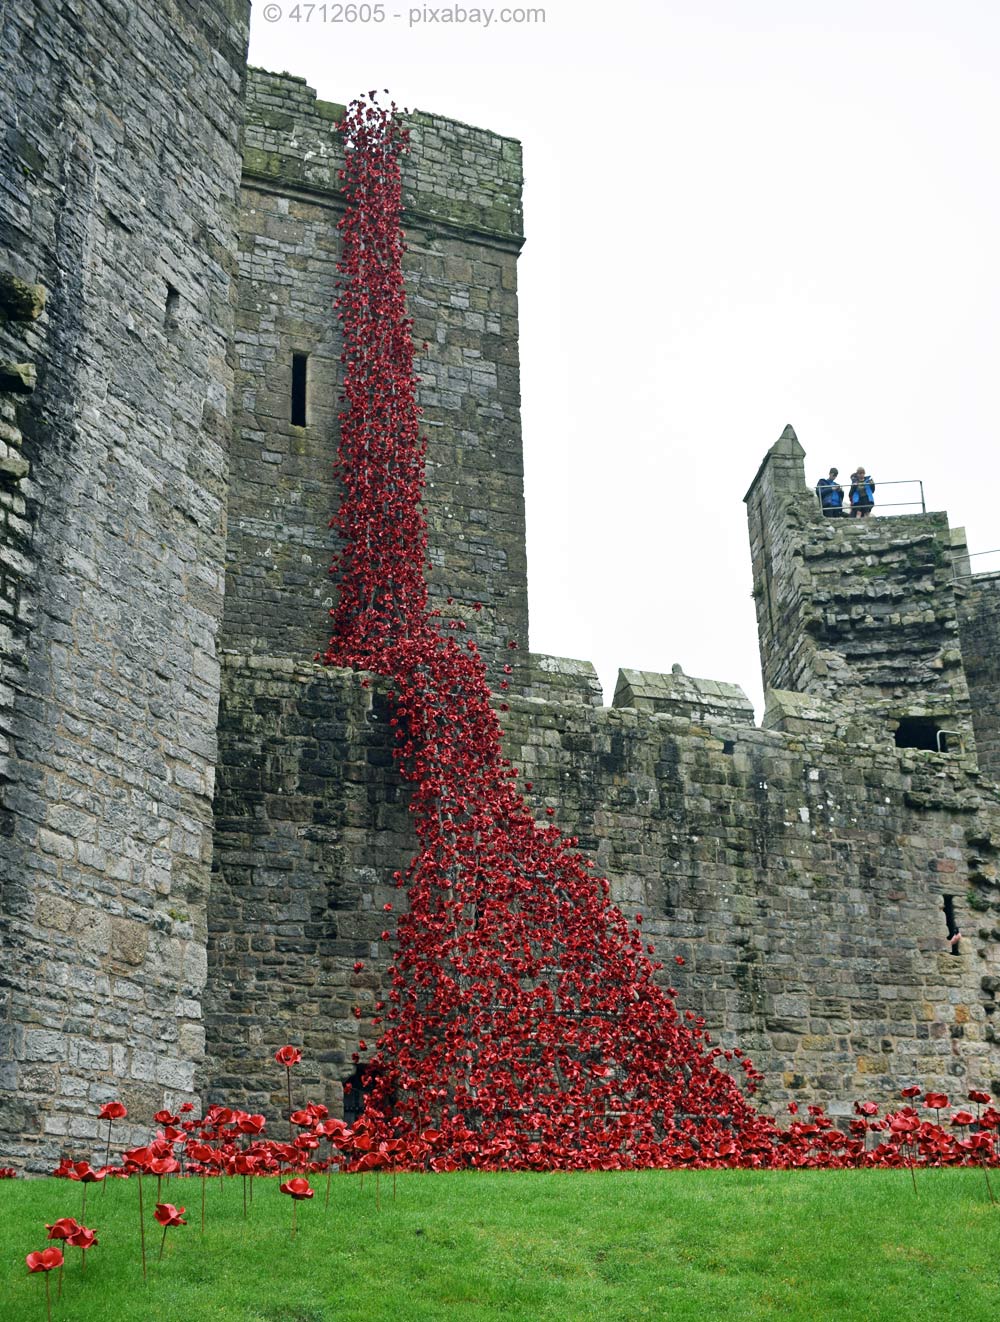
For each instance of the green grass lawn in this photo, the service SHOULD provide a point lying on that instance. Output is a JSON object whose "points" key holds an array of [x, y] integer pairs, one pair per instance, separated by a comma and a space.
{"points": [[647, 1244]]}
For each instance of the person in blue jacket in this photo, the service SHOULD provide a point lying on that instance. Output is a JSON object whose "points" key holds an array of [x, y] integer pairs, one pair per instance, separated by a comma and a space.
{"points": [[862, 493], [831, 495]]}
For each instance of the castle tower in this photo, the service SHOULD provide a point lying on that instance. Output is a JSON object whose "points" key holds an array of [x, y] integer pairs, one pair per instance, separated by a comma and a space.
{"points": [[860, 612], [463, 224], [120, 161]]}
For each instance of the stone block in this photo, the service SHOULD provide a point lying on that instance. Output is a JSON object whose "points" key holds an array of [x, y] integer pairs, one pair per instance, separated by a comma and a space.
{"points": [[42, 1044], [19, 299], [129, 941]]}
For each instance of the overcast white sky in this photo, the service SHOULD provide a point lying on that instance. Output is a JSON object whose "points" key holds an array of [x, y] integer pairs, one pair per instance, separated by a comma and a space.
{"points": [[738, 215]]}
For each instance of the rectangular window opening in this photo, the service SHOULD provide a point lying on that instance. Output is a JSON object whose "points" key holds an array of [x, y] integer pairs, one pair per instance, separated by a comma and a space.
{"points": [[299, 380], [949, 918]]}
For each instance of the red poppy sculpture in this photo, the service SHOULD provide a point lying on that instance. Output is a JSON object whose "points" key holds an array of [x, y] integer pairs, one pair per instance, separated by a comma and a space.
{"points": [[299, 1191], [526, 1023], [168, 1215], [288, 1056], [45, 1261], [111, 1111]]}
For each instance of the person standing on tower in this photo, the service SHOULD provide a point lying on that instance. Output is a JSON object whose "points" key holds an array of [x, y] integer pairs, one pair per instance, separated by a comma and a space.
{"points": [[862, 493], [831, 495]]}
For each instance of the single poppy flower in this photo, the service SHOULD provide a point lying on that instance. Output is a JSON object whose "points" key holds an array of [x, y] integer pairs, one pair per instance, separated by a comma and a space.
{"points": [[962, 1118], [977, 1095], [935, 1100], [168, 1215], [63, 1228], [85, 1173], [911, 1091], [112, 1111], [83, 1240], [45, 1261], [297, 1188]]}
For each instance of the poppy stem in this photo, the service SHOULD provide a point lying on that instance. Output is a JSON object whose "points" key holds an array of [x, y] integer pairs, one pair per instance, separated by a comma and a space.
{"points": [[83, 1260], [83, 1214], [163, 1244], [288, 1077], [989, 1187], [59, 1291], [48, 1298], [244, 1197], [107, 1155], [329, 1172], [295, 1207], [142, 1228], [913, 1175]]}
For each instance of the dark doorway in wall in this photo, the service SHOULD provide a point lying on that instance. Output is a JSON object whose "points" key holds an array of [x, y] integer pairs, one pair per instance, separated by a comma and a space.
{"points": [[356, 1091], [920, 732], [300, 371]]}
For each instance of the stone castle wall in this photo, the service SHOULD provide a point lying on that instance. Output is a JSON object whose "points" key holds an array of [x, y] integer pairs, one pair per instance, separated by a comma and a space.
{"points": [[807, 873], [801, 875], [800, 870], [120, 168], [462, 197]]}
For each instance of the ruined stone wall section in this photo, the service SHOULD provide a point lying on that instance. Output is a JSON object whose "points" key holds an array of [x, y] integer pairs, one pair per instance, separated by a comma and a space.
{"points": [[462, 192], [979, 626], [859, 611], [801, 877], [120, 169]]}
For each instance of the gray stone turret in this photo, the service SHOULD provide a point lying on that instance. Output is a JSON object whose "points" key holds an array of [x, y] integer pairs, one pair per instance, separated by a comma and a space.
{"points": [[859, 612]]}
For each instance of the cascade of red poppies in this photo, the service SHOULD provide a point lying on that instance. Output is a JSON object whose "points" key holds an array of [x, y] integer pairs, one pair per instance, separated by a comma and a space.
{"points": [[525, 1022]]}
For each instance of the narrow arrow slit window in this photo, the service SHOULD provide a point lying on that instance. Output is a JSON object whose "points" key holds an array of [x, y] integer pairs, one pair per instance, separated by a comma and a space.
{"points": [[300, 368]]}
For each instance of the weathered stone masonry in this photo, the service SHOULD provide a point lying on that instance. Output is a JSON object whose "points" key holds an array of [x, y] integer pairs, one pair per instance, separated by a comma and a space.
{"points": [[801, 870], [147, 329], [462, 194], [120, 169]]}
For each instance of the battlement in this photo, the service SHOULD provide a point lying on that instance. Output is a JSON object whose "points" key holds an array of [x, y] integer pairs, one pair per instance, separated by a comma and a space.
{"points": [[456, 178]]}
